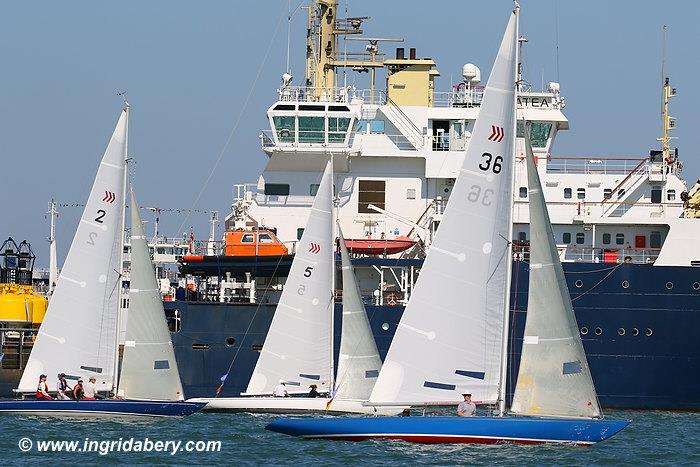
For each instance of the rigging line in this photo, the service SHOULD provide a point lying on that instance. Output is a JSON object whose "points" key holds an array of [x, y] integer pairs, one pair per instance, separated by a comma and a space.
{"points": [[237, 122], [597, 283]]}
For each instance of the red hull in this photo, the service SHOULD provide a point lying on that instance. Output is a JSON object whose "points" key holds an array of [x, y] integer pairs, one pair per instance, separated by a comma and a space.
{"points": [[363, 246]]}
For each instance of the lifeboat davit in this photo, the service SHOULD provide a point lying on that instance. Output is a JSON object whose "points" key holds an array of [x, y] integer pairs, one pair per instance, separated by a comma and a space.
{"points": [[383, 246]]}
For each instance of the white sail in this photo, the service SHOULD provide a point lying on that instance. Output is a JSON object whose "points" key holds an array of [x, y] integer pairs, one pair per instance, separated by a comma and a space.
{"points": [[298, 346], [554, 378], [148, 370], [449, 338], [358, 361], [79, 333]]}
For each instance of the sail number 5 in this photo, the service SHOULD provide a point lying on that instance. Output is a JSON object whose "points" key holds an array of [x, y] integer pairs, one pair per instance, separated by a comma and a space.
{"points": [[486, 163]]}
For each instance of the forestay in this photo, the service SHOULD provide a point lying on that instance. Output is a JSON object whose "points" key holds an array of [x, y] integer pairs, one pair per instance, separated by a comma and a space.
{"points": [[554, 378], [298, 346], [449, 338], [78, 335], [149, 370], [358, 362]]}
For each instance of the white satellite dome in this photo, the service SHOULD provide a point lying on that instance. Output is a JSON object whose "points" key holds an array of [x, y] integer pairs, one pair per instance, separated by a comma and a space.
{"points": [[471, 73]]}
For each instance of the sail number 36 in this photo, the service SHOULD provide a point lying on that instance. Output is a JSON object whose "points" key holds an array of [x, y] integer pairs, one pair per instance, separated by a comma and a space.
{"points": [[486, 164]]}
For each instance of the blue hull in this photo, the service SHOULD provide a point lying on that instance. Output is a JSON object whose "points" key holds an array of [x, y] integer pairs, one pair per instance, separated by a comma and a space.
{"points": [[107, 407], [631, 324], [439, 430]]}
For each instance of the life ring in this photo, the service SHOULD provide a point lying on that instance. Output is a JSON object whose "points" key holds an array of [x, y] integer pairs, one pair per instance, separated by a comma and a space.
{"points": [[392, 299]]}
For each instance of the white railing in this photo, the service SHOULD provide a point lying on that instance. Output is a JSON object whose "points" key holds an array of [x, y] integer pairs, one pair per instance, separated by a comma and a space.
{"points": [[592, 165], [341, 95], [458, 98]]}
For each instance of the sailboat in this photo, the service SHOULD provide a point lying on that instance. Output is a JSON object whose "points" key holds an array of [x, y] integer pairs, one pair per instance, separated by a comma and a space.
{"points": [[298, 349], [79, 334], [458, 344]]}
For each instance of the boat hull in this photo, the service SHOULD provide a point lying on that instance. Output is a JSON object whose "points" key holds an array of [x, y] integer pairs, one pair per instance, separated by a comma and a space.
{"points": [[292, 405], [99, 408], [442, 430]]}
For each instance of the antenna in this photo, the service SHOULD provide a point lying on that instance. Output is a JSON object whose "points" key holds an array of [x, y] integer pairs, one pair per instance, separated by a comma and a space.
{"points": [[663, 65], [123, 96], [556, 39]]}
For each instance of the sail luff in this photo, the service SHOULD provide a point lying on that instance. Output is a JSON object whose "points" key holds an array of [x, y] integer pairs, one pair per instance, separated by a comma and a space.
{"points": [[358, 362], [78, 334], [149, 370], [446, 344], [554, 378]]}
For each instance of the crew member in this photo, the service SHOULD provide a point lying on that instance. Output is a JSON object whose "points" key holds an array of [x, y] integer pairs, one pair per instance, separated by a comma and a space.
{"points": [[313, 392], [42, 390], [90, 389], [280, 390], [466, 408], [63, 391]]}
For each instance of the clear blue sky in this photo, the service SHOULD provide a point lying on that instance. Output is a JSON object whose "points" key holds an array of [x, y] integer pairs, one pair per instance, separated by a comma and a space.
{"points": [[189, 66]]}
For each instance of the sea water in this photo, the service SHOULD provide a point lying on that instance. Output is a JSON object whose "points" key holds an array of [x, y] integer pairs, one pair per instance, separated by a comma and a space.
{"points": [[653, 437]]}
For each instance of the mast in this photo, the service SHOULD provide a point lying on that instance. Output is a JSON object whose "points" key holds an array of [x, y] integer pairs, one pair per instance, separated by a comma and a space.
{"points": [[53, 265], [667, 122], [121, 246], [509, 265], [334, 228]]}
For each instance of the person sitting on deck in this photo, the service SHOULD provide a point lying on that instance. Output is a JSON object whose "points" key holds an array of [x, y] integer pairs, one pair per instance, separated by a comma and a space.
{"points": [[42, 391], [406, 413], [280, 390], [90, 390], [63, 391], [78, 391], [313, 392], [466, 408]]}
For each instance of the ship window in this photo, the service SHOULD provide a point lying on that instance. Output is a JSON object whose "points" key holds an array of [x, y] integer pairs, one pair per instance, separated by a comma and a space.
{"points": [[655, 239], [580, 238], [606, 239], [581, 193], [620, 239], [656, 195], [620, 193], [313, 108], [257, 347], [265, 238], [410, 193], [285, 127], [312, 129], [338, 108], [279, 189], [670, 195], [371, 192], [523, 192], [284, 107], [313, 188], [370, 126], [300, 233], [247, 238], [606, 193], [230, 341], [337, 128], [522, 236], [197, 346], [567, 193], [567, 237], [539, 133]]}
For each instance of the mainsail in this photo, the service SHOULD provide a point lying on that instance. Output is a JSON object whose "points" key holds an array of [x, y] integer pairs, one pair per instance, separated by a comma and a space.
{"points": [[358, 362], [449, 337], [298, 346], [149, 370], [79, 334], [554, 378]]}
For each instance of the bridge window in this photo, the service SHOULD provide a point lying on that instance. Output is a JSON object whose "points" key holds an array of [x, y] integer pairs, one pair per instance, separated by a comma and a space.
{"points": [[670, 195], [300, 232], [371, 192], [313, 189], [606, 239], [580, 238], [566, 238], [285, 128], [581, 193], [656, 195], [337, 129], [620, 239], [606, 193], [567, 193], [312, 129], [279, 189], [370, 126], [620, 193], [522, 237], [539, 133]]}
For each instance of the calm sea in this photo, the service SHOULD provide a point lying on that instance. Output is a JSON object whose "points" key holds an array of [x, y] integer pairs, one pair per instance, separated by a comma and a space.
{"points": [[665, 438]]}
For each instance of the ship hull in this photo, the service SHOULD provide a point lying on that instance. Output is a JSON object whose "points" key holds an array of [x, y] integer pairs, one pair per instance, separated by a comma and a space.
{"points": [[637, 333]]}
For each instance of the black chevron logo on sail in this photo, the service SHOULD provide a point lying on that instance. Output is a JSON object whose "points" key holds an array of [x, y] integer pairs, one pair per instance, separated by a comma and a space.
{"points": [[497, 134]]}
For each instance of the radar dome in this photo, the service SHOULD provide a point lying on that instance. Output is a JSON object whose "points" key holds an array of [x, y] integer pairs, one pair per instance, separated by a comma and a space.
{"points": [[471, 73]]}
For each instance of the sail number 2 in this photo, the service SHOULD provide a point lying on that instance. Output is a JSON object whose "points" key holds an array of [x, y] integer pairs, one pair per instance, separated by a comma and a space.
{"points": [[486, 163]]}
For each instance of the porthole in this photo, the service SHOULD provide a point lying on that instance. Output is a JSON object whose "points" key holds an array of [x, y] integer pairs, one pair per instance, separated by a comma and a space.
{"points": [[385, 326], [230, 341], [669, 285], [648, 332], [635, 331], [625, 284], [584, 331], [696, 285], [598, 331], [578, 283], [621, 331]]}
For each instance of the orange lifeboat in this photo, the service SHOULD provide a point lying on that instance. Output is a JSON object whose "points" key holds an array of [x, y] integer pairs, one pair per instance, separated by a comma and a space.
{"points": [[253, 243], [384, 246]]}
